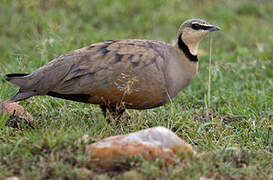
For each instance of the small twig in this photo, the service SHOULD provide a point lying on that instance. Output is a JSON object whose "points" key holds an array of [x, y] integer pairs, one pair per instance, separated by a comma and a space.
{"points": [[209, 82], [170, 122]]}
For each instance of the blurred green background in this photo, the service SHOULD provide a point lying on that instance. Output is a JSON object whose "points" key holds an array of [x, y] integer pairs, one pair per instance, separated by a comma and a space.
{"points": [[233, 126]]}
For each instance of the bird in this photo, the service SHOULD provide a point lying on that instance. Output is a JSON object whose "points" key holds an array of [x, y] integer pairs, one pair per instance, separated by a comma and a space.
{"points": [[119, 74]]}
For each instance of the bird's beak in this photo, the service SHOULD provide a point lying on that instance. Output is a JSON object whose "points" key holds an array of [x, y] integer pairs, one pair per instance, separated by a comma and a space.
{"points": [[214, 28]]}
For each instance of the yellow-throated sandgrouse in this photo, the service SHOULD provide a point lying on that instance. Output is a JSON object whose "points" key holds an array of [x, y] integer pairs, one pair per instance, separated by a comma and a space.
{"points": [[120, 74]]}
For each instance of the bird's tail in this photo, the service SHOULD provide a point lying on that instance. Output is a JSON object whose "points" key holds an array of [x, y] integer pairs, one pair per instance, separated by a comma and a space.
{"points": [[16, 79], [22, 81]]}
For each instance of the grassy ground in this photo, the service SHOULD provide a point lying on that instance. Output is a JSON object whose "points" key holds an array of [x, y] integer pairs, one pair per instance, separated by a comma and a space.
{"points": [[230, 125]]}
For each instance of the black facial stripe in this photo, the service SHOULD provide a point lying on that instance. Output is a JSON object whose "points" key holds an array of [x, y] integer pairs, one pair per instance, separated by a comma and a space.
{"points": [[205, 27], [199, 26], [186, 50]]}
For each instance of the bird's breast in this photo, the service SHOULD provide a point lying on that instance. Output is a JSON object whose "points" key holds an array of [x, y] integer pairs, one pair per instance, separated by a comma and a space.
{"points": [[180, 73]]}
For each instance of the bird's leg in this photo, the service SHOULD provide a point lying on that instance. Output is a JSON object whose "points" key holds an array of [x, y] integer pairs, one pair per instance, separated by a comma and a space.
{"points": [[115, 112], [104, 112]]}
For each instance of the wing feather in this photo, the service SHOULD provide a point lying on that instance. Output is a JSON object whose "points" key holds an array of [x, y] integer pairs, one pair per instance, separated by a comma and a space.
{"points": [[108, 58]]}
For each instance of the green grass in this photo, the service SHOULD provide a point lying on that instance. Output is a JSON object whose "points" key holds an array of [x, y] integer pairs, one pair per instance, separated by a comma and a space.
{"points": [[231, 130]]}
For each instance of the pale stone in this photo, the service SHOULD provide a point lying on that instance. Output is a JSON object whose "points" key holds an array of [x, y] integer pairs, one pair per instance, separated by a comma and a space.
{"points": [[203, 178], [12, 178], [152, 143], [13, 108]]}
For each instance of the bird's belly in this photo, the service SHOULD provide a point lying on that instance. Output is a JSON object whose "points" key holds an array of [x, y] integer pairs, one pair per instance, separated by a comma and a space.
{"points": [[130, 94]]}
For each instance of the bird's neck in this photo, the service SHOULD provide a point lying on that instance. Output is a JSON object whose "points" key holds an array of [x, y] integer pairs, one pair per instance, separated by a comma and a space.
{"points": [[189, 48]]}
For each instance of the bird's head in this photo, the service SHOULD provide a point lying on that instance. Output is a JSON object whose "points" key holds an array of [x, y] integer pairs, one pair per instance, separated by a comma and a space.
{"points": [[192, 31]]}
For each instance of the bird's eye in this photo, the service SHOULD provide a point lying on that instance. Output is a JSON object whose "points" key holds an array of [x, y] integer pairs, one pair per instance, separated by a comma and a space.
{"points": [[195, 26]]}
